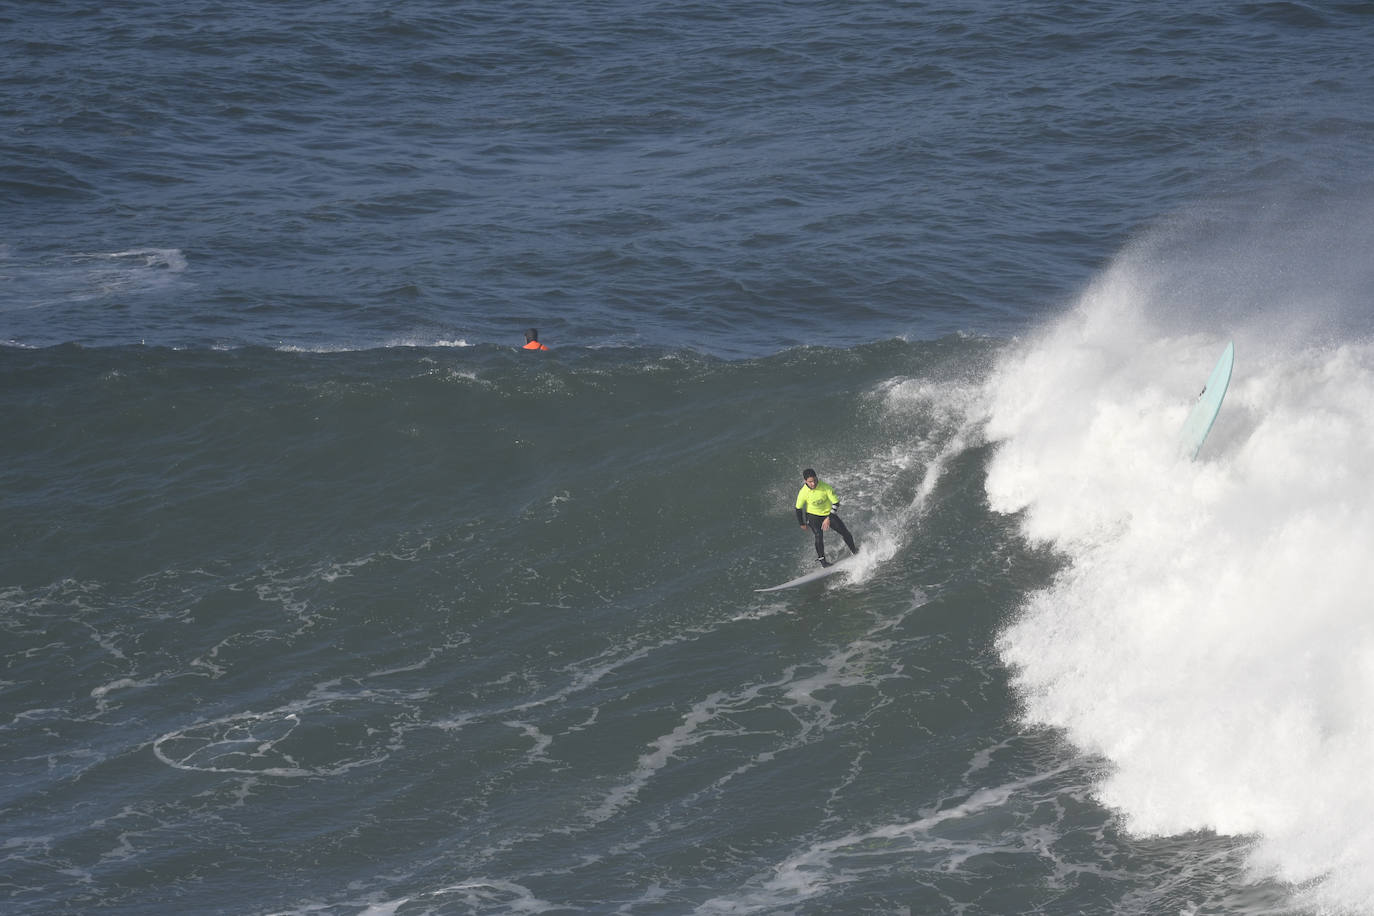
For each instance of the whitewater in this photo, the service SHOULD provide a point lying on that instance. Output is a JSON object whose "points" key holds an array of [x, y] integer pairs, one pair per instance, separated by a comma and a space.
{"points": [[1210, 636]]}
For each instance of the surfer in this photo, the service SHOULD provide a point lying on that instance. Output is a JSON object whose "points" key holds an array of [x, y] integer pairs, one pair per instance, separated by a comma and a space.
{"points": [[817, 509], [532, 340]]}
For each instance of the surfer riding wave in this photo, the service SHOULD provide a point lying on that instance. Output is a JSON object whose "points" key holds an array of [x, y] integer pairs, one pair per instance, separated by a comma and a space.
{"points": [[818, 509]]}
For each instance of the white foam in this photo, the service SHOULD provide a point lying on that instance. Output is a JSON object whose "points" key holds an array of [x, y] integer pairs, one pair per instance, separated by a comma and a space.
{"points": [[805, 694], [856, 857], [116, 685], [424, 342], [170, 259], [294, 740], [1211, 634], [396, 343], [474, 895]]}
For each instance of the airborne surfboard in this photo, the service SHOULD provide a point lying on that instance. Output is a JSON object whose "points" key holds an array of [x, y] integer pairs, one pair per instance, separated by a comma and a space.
{"points": [[1204, 412]]}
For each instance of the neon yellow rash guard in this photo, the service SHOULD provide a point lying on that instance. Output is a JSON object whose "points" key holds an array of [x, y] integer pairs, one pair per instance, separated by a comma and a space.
{"points": [[818, 501]]}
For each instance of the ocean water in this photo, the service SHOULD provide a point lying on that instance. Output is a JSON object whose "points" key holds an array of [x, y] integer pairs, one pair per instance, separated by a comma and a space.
{"points": [[319, 596]]}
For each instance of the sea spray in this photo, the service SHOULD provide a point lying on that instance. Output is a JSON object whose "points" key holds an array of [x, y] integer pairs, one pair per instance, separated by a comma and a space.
{"points": [[1210, 635]]}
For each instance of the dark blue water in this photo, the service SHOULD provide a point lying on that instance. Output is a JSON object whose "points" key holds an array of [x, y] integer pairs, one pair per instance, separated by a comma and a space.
{"points": [[319, 596], [731, 178]]}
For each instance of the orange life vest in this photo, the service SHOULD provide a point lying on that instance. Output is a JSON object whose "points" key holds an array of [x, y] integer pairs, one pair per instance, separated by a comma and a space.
{"points": [[534, 345]]}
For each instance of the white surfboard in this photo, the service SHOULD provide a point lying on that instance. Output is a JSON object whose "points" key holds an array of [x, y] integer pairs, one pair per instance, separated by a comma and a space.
{"points": [[1204, 412], [820, 573]]}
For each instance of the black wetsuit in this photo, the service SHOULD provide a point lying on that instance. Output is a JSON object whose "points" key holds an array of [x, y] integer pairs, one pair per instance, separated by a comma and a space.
{"points": [[814, 522]]}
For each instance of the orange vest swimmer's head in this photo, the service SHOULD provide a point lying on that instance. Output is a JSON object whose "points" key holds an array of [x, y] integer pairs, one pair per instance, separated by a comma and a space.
{"points": [[532, 340]]}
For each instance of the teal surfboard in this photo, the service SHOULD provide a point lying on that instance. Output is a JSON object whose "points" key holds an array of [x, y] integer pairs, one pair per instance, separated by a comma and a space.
{"points": [[1204, 412]]}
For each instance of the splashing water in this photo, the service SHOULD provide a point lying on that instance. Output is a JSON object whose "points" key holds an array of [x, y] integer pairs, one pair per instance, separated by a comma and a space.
{"points": [[1210, 634]]}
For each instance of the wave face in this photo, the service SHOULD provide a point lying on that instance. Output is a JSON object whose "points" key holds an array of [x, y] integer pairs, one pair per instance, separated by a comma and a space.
{"points": [[1209, 635], [464, 629]]}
